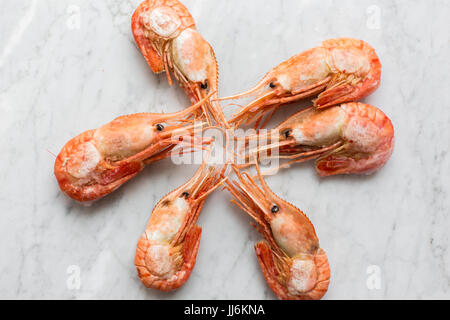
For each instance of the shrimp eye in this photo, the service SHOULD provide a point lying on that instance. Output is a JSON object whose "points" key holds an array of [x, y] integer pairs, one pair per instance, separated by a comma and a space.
{"points": [[204, 86], [185, 195], [287, 133], [275, 209], [272, 85], [159, 127]]}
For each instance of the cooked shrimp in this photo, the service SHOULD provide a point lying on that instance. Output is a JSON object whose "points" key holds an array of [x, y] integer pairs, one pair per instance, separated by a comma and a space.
{"points": [[165, 32], [293, 264], [167, 251], [338, 71], [97, 162], [353, 138]]}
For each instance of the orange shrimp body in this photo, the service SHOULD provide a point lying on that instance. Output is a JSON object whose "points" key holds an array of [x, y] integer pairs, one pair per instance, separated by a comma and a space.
{"points": [[97, 162], [353, 138], [293, 264], [166, 35], [338, 71], [167, 251]]}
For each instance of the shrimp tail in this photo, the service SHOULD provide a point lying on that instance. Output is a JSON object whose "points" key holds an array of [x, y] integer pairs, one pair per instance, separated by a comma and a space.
{"points": [[323, 275], [154, 60], [346, 91], [91, 193], [122, 171], [249, 93], [334, 165]]}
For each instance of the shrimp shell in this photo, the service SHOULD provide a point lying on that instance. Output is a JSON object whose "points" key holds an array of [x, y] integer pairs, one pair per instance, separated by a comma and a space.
{"points": [[165, 33]]}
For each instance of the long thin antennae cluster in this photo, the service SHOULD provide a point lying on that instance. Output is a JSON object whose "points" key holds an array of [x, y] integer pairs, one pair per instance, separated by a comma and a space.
{"points": [[342, 135]]}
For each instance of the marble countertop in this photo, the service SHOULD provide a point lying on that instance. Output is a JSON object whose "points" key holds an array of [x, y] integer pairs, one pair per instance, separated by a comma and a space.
{"points": [[68, 66]]}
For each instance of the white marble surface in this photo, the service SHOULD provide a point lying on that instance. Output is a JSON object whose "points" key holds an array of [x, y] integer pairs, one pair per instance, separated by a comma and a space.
{"points": [[57, 81]]}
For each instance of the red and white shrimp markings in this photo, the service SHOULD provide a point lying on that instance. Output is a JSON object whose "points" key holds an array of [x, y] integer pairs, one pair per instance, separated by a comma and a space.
{"points": [[97, 162], [338, 71], [293, 264], [353, 138], [167, 251], [165, 33]]}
